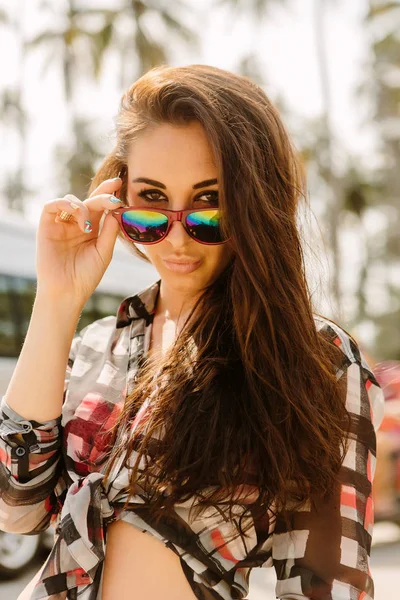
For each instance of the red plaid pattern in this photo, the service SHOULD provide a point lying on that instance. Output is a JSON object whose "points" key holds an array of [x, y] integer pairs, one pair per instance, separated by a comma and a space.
{"points": [[54, 474]]}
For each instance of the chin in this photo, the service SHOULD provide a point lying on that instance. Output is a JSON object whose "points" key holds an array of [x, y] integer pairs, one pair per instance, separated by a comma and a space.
{"points": [[193, 280], [187, 283]]}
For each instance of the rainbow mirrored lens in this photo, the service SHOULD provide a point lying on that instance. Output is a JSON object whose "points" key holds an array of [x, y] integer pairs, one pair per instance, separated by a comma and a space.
{"points": [[144, 225], [204, 226]]}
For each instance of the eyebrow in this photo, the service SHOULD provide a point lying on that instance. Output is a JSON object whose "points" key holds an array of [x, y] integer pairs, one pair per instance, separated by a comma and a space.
{"points": [[201, 184]]}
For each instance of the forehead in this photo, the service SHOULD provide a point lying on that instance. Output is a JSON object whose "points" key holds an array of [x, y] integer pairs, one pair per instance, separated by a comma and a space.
{"points": [[167, 152]]}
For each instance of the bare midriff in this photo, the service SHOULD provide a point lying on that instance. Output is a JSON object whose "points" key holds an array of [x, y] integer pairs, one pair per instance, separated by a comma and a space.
{"points": [[138, 565]]}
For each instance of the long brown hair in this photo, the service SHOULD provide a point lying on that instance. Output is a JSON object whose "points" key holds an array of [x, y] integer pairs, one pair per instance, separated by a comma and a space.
{"points": [[247, 398]]}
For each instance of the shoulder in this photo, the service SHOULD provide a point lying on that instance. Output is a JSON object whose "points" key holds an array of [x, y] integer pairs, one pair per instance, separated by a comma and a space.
{"points": [[364, 395], [342, 339]]}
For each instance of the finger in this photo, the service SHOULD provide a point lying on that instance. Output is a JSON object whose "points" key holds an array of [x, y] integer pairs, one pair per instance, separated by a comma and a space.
{"points": [[109, 186], [72, 205], [86, 214], [107, 237], [98, 204], [80, 212]]}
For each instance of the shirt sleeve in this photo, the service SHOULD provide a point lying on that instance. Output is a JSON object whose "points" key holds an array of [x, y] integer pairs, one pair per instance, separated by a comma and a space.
{"points": [[32, 473], [324, 555]]}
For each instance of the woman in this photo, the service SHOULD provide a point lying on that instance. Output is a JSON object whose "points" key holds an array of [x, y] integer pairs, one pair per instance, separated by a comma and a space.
{"points": [[216, 412]]}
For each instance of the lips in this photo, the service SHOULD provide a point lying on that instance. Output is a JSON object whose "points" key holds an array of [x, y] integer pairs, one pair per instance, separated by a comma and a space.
{"points": [[182, 260], [182, 265]]}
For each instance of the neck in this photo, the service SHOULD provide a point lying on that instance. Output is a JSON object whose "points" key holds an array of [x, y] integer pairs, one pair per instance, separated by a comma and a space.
{"points": [[175, 304]]}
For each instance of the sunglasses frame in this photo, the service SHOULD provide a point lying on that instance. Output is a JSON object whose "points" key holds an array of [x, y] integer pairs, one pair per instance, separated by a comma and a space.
{"points": [[172, 216]]}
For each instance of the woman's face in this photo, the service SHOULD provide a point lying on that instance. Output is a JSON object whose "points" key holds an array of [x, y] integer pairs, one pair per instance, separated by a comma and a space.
{"points": [[172, 167]]}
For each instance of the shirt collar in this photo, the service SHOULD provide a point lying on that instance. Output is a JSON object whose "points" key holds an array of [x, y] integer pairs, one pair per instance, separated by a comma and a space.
{"points": [[139, 306]]}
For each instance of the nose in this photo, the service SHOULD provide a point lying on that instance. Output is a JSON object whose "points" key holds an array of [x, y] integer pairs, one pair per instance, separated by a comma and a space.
{"points": [[177, 235]]}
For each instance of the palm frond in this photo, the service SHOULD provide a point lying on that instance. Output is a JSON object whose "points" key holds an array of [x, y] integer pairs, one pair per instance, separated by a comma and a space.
{"points": [[76, 163], [4, 18], [258, 7], [15, 190], [100, 42], [11, 108], [388, 48], [107, 14], [380, 9], [71, 34], [138, 7], [46, 37], [149, 52], [178, 27], [250, 67]]}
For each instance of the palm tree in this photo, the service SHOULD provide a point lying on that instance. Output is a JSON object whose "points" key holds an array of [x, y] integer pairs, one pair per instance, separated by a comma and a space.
{"points": [[125, 31], [14, 117], [385, 90], [131, 31], [66, 44], [333, 183]]}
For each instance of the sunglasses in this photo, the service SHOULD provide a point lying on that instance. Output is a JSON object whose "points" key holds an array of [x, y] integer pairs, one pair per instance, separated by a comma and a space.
{"points": [[152, 225]]}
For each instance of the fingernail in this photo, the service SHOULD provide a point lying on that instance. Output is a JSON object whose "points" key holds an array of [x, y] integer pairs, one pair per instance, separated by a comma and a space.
{"points": [[73, 205], [88, 227], [106, 211], [114, 200], [115, 178]]}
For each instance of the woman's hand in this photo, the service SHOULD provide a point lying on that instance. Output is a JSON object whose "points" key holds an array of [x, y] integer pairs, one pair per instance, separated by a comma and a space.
{"points": [[70, 259]]}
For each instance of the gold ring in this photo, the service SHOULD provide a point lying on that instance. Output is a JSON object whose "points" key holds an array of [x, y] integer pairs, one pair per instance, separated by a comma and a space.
{"points": [[65, 216]]}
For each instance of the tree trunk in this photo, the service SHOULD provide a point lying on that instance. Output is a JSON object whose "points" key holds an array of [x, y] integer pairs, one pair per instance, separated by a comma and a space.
{"points": [[335, 201]]}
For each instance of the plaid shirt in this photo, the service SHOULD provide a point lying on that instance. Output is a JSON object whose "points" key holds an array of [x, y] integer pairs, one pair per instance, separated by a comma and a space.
{"points": [[52, 472]]}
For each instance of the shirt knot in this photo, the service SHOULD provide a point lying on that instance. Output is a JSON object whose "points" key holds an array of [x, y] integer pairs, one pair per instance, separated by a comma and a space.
{"points": [[79, 548]]}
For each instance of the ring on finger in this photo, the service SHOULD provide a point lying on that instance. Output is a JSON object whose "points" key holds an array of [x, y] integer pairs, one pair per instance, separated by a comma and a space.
{"points": [[65, 216]]}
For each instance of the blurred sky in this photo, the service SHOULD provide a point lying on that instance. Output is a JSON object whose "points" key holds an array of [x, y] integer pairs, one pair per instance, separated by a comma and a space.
{"points": [[285, 45]]}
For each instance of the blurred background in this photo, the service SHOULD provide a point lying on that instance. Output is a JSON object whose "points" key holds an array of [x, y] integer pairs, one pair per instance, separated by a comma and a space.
{"points": [[333, 70]]}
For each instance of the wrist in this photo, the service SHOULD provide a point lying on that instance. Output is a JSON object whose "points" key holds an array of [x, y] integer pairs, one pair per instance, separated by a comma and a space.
{"points": [[62, 304]]}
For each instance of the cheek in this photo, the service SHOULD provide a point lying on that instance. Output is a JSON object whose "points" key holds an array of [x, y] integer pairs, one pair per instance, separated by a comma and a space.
{"points": [[218, 257], [150, 251]]}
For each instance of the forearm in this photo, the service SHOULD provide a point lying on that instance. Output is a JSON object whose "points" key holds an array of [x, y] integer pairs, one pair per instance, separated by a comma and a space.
{"points": [[36, 388], [28, 507]]}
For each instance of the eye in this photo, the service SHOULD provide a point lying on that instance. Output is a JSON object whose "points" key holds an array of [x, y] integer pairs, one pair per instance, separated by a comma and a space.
{"points": [[209, 197], [152, 195]]}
